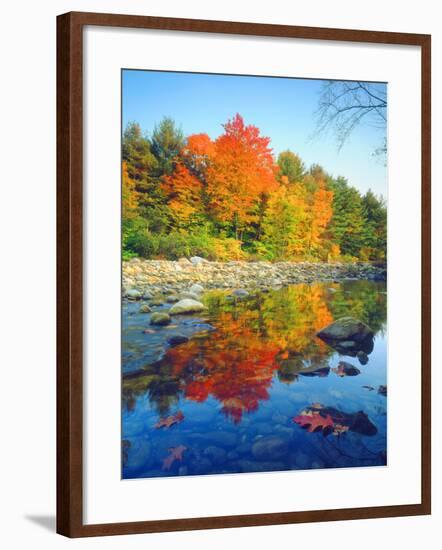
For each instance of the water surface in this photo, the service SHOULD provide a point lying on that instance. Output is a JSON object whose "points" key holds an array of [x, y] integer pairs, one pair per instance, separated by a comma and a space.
{"points": [[236, 395]]}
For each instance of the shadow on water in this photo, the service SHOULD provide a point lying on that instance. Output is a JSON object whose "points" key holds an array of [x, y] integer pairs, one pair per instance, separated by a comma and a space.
{"points": [[228, 395]]}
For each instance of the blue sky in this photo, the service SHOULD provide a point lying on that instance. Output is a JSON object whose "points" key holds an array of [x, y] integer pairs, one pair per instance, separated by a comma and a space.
{"points": [[282, 108]]}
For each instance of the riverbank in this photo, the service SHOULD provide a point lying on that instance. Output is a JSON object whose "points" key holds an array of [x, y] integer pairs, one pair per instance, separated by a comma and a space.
{"points": [[162, 276]]}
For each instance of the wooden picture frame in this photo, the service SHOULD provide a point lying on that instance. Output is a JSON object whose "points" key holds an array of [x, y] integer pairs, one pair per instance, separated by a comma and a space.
{"points": [[70, 272]]}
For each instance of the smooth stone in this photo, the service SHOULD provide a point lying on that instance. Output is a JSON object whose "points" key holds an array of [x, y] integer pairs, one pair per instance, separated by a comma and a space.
{"points": [[172, 299], [186, 306], [346, 328], [348, 369], [144, 309], [222, 438], [156, 302], [133, 294], [195, 260], [196, 289], [362, 357], [188, 296], [215, 454], [177, 339], [160, 319], [147, 295], [269, 447], [240, 293]]}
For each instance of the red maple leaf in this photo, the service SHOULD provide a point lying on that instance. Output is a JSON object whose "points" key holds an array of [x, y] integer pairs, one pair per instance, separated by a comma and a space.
{"points": [[170, 420], [176, 453], [314, 422]]}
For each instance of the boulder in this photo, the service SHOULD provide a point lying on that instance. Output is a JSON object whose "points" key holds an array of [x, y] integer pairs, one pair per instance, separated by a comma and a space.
{"points": [[177, 339], [133, 294], [346, 329], [160, 319], [186, 306]]}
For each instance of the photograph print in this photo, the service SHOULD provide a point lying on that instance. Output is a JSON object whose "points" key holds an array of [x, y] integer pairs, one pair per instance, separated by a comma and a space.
{"points": [[254, 269]]}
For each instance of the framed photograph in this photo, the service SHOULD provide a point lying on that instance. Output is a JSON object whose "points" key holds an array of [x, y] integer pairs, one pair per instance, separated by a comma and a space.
{"points": [[243, 274]]}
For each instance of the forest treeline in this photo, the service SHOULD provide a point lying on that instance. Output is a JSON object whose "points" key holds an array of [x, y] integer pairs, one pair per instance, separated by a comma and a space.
{"points": [[230, 199]]}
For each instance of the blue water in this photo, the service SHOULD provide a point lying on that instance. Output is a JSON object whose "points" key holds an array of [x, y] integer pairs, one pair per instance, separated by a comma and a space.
{"points": [[230, 394]]}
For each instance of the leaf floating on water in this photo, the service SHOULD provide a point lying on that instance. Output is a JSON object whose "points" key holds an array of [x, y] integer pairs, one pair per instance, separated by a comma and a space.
{"points": [[313, 421], [176, 453], [170, 420], [317, 418]]}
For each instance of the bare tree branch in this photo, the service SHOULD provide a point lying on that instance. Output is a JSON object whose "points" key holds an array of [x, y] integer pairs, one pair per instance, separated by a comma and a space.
{"points": [[344, 105]]}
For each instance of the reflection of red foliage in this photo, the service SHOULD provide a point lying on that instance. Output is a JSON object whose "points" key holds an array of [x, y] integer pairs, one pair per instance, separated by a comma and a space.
{"points": [[238, 376]]}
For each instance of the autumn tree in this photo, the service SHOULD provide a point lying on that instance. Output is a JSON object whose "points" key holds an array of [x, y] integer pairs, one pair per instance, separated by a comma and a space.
{"points": [[241, 173]]}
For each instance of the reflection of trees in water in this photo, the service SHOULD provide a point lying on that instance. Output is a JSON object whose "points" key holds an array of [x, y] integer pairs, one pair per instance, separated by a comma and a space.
{"points": [[254, 338]]}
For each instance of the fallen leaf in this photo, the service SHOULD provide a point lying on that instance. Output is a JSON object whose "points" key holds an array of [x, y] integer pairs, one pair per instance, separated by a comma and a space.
{"points": [[170, 420], [176, 453], [314, 422]]}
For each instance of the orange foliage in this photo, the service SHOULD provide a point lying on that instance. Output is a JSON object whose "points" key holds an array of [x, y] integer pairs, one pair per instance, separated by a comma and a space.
{"points": [[184, 192], [242, 170]]}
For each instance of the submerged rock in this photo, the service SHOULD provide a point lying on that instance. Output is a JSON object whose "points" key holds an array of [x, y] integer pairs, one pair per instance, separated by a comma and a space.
{"points": [[186, 306], [346, 369], [215, 454], [271, 447], [177, 339], [382, 390], [160, 319]]}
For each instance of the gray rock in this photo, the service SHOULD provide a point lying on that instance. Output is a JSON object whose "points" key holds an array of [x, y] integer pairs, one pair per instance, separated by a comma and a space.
{"points": [[240, 293], [196, 289], [156, 301], [222, 438], [133, 294], [160, 319], [363, 357], [188, 296], [346, 328], [186, 306], [172, 299], [271, 447], [215, 454], [177, 339], [347, 369], [197, 260]]}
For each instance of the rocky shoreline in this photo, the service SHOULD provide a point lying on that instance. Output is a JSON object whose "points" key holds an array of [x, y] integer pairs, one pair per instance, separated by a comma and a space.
{"points": [[141, 277]]}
